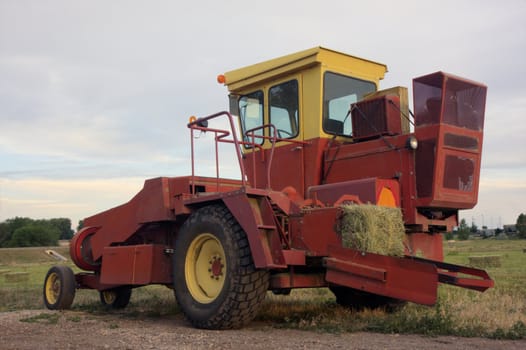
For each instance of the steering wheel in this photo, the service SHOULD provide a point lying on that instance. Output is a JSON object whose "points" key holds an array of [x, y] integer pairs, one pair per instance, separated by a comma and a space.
{"points": [[285, 132]]}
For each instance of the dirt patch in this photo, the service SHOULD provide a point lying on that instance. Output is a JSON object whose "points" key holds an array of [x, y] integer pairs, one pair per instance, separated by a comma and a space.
{"points": [[38, 329]]}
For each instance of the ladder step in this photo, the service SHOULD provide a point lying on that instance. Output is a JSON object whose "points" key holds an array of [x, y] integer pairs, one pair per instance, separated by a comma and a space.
{"points": [[266, 227]]}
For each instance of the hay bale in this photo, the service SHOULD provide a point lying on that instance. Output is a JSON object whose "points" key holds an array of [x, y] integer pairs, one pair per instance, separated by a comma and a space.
{"points": [[17, 277], [373, 229], [484, 261]]}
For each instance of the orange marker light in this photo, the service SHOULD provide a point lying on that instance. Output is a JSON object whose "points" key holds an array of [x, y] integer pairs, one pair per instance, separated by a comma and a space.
{"points": [[192, 119], [221, 79]]}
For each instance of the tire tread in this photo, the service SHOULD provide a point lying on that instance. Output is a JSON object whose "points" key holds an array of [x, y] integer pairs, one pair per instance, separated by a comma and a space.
{"points": [[250, 284]]}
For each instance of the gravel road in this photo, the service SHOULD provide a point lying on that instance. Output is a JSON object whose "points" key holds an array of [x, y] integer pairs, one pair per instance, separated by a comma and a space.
{"points": [[79, 330]]}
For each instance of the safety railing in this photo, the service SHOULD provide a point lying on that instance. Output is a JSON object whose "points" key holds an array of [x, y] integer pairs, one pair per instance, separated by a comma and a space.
{"points": [[221, 136], [273, 139]]}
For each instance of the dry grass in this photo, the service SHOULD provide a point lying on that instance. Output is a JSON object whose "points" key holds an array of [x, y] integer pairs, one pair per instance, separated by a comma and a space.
{"points": [[16, 277], [372, 229], [484, 261], [497, 313], [491, 310]]}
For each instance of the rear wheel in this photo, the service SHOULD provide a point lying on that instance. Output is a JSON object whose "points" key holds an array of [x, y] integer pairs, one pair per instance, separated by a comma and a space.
{"points": [[116, 298], [59, 288], [216, 283], [360, 300]]}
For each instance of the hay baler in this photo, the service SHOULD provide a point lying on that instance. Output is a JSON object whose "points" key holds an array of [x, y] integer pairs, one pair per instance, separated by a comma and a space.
{"points": [[316, 135]]}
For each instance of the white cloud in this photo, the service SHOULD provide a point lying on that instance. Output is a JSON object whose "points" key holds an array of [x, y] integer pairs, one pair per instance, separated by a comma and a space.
{"points": [[75, 199], [103, 90]]}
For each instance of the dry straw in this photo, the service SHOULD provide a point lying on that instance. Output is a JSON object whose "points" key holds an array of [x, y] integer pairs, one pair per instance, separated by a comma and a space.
{"points": [[484, 261], [372, 229]]}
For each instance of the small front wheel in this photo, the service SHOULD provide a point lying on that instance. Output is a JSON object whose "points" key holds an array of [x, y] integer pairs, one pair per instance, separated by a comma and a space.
{"points": [[59, 288], [116, 298]]}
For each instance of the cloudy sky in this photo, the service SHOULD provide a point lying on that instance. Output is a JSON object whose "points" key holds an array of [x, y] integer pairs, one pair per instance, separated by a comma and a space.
{"points": [[95, 95]]}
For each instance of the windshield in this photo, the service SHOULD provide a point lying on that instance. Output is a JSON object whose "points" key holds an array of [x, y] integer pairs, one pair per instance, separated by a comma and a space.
{"points": [[339, 93], [251, 115]]}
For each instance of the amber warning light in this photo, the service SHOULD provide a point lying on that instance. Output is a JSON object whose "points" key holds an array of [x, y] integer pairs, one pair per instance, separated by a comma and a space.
{"points": [[200, 123], [221, 79]]}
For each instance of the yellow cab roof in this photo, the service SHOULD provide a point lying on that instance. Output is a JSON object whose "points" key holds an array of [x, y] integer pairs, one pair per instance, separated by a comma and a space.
{"points": [[241, 78]]}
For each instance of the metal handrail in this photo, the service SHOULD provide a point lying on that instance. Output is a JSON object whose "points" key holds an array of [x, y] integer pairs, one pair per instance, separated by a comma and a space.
{"points": [[201, 124], [273, 139]]}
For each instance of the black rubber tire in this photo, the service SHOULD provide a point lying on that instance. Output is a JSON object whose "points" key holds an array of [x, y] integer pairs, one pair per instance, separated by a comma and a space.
{"points": [[59, 288], [359, 300], [244, 287], [116, 298]]}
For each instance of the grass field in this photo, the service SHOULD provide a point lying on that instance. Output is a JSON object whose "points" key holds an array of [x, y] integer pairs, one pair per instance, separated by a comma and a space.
{"points": [[498, 313]]}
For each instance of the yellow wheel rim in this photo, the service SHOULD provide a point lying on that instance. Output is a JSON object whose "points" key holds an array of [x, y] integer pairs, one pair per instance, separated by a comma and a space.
{"points": [[53, 286], [109, 296], [205, 268]]}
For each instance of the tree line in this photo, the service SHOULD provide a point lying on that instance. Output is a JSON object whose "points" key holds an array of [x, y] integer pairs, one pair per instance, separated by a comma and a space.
{"points": [[26, 232], [521, 225], [464, 231]]}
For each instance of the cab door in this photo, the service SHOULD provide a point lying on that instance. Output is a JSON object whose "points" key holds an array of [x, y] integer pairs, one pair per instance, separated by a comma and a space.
{"points": [[273, 114], [284, 114]]}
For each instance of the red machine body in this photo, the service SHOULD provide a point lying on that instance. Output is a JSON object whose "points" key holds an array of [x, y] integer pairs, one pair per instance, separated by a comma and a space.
{"points": [[289, 199], [132, 240]]}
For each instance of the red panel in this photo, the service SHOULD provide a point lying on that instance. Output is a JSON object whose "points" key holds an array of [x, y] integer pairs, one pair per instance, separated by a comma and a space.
{"points": [[384, 275], [385, 158], [426, 245], [152, 203], [294, 257], [367, 190], [315, 153], [314, 231], [91, 281], [293, 165], [449, 118], [137, 265], [286, 169], [262, 236], [295, 280], [448, 166], [374, 273], [155, 202]]}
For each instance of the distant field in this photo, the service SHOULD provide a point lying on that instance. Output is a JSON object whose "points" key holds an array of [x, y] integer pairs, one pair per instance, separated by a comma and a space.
{"points": [[498, 313], [27, 293]]}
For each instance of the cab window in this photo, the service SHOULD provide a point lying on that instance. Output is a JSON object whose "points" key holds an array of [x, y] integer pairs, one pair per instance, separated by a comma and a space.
{"points": [[251, 115], [283, 107], [339, 92]]}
